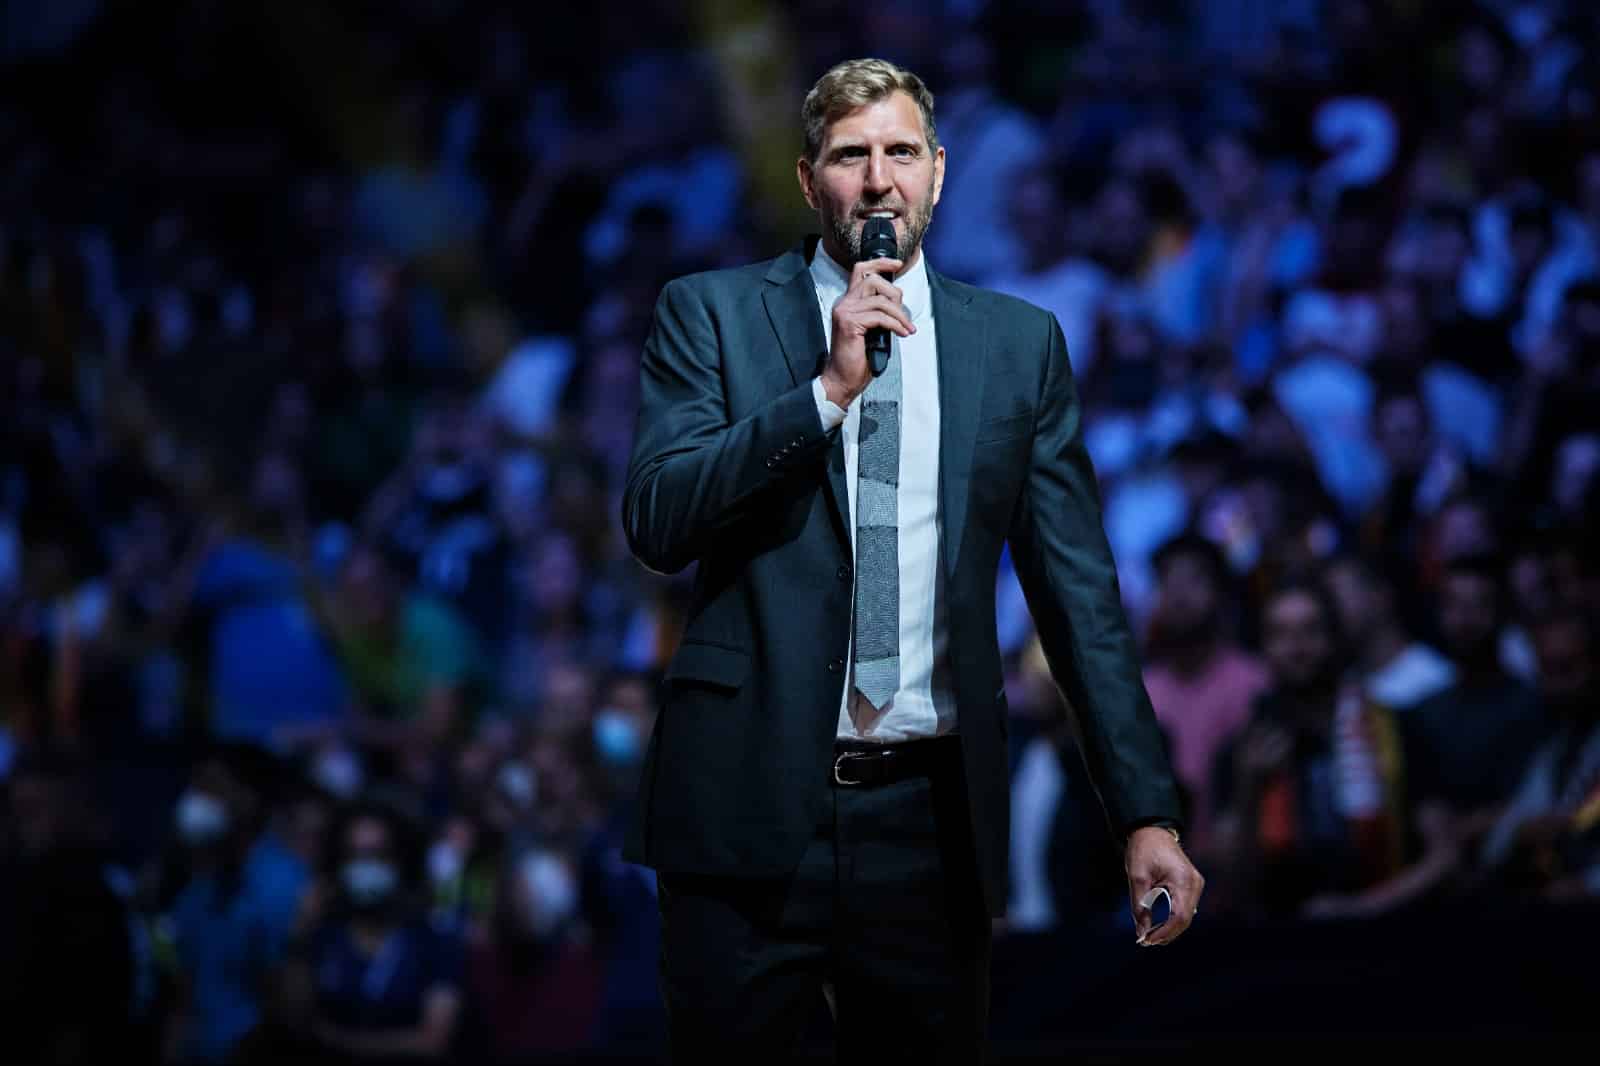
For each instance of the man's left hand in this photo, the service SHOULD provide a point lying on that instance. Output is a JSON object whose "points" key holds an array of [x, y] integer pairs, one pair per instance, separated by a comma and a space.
{"points": [[1154, 859]]}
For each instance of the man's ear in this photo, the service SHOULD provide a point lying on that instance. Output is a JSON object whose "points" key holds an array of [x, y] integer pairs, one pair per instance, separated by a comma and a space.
{"points": [[938, 172], [802, 169]]}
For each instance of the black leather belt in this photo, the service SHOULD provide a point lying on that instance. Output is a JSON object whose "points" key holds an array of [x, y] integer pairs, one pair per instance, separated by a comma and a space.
{"points": [[863, 764]]}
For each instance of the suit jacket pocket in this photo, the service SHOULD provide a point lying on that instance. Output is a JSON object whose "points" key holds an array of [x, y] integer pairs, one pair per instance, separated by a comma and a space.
{"points": [[708, 664], [1005, 427]]}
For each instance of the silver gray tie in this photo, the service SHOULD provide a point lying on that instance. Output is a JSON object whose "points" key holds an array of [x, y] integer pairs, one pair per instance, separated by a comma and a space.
{"points": [[877, 606]]}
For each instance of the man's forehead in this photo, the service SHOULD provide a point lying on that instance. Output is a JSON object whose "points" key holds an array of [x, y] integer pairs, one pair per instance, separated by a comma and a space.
{"points": [[893, 117]]}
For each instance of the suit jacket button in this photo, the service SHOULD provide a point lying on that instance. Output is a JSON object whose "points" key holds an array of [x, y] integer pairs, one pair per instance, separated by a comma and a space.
{"points": [[772, 462], [843, 573], [835, 666]]}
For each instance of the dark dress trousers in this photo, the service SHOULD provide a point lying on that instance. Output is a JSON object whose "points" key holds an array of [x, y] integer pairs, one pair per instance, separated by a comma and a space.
{"points": [[732, 470]]}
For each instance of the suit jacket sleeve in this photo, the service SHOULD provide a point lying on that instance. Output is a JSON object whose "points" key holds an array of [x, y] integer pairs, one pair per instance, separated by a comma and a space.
{"points": [[1065, 567], [694, 472]]}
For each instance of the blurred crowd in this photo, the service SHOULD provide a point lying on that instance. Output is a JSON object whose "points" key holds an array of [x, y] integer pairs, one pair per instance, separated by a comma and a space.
{"points": [[325, 673]]}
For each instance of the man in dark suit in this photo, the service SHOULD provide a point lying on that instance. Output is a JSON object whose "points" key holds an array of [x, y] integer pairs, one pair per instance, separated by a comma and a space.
{"points": [[824, 796]]}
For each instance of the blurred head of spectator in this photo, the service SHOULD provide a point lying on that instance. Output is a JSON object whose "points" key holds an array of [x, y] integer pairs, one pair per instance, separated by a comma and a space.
{"points": [[67, 971], [52, 811], [1564, 641], [1201, 684], [539, 903], [1122, 227], [1302, 644], [1190, 610], [225, 806], [1395, 670], [1471, 611], [381, 976], [376, 860]]}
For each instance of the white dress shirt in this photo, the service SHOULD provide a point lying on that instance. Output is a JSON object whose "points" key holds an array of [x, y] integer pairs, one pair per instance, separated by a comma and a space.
{"points": [[924, 705]]}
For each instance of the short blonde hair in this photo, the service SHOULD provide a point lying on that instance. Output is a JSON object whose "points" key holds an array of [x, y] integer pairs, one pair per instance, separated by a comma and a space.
{"points": [[856, 83]]}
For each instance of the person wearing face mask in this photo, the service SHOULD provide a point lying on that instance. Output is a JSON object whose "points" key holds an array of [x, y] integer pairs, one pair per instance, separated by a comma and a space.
{"points": [[233, 917], [383, 983], [536, 981]]}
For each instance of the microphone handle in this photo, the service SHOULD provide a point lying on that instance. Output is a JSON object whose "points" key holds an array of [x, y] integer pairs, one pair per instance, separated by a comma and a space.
{"points": [[878, 350], [879, 345]]}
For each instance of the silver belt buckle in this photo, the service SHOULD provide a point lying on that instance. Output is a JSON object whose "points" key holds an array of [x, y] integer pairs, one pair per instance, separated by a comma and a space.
{"points": [[838, 760]]}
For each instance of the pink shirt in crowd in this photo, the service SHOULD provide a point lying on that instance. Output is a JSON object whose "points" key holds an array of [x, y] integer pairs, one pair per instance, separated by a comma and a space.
{"points": [[1200, 714]]}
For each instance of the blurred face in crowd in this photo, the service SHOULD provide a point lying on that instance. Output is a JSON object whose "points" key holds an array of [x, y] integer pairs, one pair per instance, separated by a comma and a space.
{"points": [[1402, 430], [874, 159], [1297, 641], [1124, 225], [542, 897], [1565, 653], [42, 812], [369, 875], [567, 696], [368, 589], [622, 724], [1357, 597], [1189, 598], [307, 828], [213, 807], [1469, 616], [1464, 527], [557, 575], [1038, 219], [1236, 172]]}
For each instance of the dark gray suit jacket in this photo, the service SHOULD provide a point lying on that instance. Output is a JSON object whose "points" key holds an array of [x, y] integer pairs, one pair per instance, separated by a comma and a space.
{"points": [[731, 469]]}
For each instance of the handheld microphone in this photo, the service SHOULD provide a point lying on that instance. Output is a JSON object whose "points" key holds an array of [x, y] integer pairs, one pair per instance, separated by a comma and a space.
{"points": [[878, 242]]}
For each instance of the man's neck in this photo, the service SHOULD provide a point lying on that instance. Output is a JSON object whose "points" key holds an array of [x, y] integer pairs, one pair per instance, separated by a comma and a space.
{"points": [[846, 263]]}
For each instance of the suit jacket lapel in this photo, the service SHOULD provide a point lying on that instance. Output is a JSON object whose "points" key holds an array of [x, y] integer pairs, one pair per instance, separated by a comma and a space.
{"points": [[961, 357], [791, 301]]}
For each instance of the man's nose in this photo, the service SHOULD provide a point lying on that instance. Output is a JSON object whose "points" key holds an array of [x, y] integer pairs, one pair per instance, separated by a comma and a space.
{"points": [[878, 178]]}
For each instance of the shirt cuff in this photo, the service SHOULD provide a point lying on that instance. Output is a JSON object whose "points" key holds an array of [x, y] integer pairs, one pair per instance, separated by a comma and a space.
{"points": [[830, 413]]}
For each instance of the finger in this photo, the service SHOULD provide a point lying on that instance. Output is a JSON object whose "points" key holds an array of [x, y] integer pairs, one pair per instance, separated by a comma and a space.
{"points": [[890, 306], [875, 284], [1140, 900], [875, 319], [881, 265]]}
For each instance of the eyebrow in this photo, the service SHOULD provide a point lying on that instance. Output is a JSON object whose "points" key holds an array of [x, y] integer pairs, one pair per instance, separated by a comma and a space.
{"points": [[839, 149]]}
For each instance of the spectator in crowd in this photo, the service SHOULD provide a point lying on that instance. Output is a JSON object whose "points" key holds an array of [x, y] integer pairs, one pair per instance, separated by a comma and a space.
{"points": [[233, 917], [1546, 843], [1060, 840], [415, 666], [70, 966], [1310, 789], [1201, 683], [1396, 669], [374, 981], [1469, 744], [536, 981]]}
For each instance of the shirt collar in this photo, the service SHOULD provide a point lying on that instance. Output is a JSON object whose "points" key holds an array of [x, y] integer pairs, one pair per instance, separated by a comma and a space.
{"points": [[832, 280]]}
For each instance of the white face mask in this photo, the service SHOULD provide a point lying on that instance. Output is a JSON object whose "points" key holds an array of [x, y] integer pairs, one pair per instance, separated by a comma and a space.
{"points": [[616, 737], [552, 891], [369, 882], [201, 818], [339, 771], [444, 863]]}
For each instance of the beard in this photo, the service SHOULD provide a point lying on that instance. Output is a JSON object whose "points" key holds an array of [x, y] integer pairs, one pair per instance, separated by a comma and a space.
{"points": [[847, 227]]}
